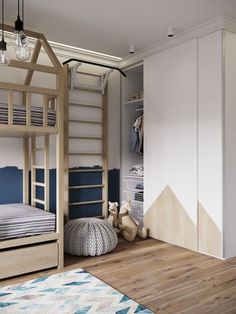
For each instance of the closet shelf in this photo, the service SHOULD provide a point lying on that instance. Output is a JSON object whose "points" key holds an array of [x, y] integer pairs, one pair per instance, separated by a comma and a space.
{"points": [[134, 102], [132, 177]]}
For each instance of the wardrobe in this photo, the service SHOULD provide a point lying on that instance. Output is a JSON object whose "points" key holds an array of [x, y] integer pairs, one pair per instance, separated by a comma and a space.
{"points": [[131, 177], [190, 144]]}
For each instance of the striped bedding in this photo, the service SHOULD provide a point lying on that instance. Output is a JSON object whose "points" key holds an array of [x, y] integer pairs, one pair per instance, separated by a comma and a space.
{"points": [[19, 115], [20, 220]]}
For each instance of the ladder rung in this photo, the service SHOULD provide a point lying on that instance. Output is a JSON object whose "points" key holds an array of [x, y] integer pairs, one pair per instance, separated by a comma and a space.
{"points": [[86, 203], [85, 154], [87, 170], [36, 200], [39, 184], [85, 121], [89, 74], [84, 137], [90, 186], [38, 149], [86, 105], [88, 88], [38, 167]]}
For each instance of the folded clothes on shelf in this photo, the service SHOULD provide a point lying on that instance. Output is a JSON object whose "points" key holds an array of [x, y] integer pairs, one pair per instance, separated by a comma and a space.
{"points": [[138, 196], [137, 170], [139, 186]]}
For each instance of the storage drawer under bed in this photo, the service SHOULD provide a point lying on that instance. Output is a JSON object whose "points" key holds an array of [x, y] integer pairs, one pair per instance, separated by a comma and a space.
{"points": [[28, 259]]}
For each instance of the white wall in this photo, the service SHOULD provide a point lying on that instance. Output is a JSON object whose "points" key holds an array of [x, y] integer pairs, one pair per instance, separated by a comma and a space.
{"points": [[229, 219]]}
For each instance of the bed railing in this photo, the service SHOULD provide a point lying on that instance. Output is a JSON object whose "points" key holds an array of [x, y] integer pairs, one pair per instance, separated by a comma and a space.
{"points": [[28, 114]]}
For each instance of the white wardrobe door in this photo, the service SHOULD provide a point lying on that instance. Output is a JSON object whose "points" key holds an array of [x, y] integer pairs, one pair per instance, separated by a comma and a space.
{"points": [[229, 219], [170, 145], [210, 149]]}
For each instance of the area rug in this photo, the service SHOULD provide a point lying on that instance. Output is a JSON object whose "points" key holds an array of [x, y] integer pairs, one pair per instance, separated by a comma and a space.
{"points": [[71, 292]]}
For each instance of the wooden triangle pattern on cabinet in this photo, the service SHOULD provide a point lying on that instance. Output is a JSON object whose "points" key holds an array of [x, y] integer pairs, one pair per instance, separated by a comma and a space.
{"points": [[168, 221], [209, 235]]}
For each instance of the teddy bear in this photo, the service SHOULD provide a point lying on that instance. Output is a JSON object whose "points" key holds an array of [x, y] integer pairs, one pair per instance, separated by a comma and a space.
{"points": [[112, 218], [128, 225]]}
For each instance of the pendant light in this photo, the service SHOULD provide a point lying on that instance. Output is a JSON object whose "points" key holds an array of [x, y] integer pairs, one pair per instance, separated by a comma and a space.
{"points": [[19, 39], [4, 57]]}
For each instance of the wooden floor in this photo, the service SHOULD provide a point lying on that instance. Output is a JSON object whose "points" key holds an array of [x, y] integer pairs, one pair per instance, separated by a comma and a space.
{"points": [[164, 278]]}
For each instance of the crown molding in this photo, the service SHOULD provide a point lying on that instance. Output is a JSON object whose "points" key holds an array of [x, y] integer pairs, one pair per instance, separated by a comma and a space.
{"points": [[223, 22], [67, 52]]}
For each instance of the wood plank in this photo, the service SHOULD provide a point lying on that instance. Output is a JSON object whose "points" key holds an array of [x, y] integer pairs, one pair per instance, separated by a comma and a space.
{"points": [[105, 152], [39, 184], [84, 154], [25, 131], [30, 258], [37, 200], [28, 240], [10, 28], [30, 89], [85, 121], [50, 52], [89, 186], [10, 107], [163, 277], [88, 74], [33, 60], [33, 67], [66, 143], [85, 105], [46, 173], [26, 171], [74, 137], [86, 203], [33, 170], [86, 170]]}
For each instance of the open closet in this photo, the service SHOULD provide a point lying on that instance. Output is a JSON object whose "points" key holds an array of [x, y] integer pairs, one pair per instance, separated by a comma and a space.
{"points": [[132, 132]]}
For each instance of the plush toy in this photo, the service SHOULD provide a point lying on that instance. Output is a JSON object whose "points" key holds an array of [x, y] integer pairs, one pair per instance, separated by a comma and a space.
{"points": [[128, 225], [112, 218]]}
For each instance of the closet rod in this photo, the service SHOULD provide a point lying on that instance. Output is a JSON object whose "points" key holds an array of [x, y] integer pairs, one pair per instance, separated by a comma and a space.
{"points": [[94, 63]]}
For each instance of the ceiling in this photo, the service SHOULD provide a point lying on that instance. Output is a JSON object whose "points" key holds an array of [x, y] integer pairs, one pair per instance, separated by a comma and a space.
{"points": [[109, 26]]}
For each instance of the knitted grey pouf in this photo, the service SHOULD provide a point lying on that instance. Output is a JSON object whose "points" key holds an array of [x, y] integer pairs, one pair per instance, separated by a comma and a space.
{"points": [[89, 237]]}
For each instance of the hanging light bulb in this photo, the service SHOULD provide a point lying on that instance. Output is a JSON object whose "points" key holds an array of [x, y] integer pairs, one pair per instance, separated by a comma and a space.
{"points": [[23, 53], [4, 57], [19, 39]]}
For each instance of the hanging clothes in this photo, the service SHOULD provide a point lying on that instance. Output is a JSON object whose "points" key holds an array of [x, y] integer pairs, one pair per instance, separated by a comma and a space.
{"points": [[136, 143]]}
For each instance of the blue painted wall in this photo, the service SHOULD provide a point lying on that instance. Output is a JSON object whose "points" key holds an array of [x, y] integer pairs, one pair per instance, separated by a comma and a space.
{"points": [[11, 185], [11, 189]]}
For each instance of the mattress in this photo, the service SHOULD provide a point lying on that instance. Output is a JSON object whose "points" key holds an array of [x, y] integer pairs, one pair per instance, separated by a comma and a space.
{"points": [[20, 220], [19, 115]]}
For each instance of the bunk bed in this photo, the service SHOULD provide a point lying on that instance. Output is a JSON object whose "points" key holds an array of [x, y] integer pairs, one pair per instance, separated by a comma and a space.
{"points": [[31, 238]]}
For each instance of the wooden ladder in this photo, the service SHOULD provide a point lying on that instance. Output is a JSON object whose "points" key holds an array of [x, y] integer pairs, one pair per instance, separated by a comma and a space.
{"points": [[104, 149], [45, 168]]}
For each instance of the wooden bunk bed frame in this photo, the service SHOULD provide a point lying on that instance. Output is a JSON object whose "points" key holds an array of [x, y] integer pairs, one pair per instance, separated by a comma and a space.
{"points": [[33, 253]]}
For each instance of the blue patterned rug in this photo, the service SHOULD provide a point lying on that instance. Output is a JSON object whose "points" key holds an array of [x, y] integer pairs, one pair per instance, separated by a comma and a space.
{"points": [[72, 292]]}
